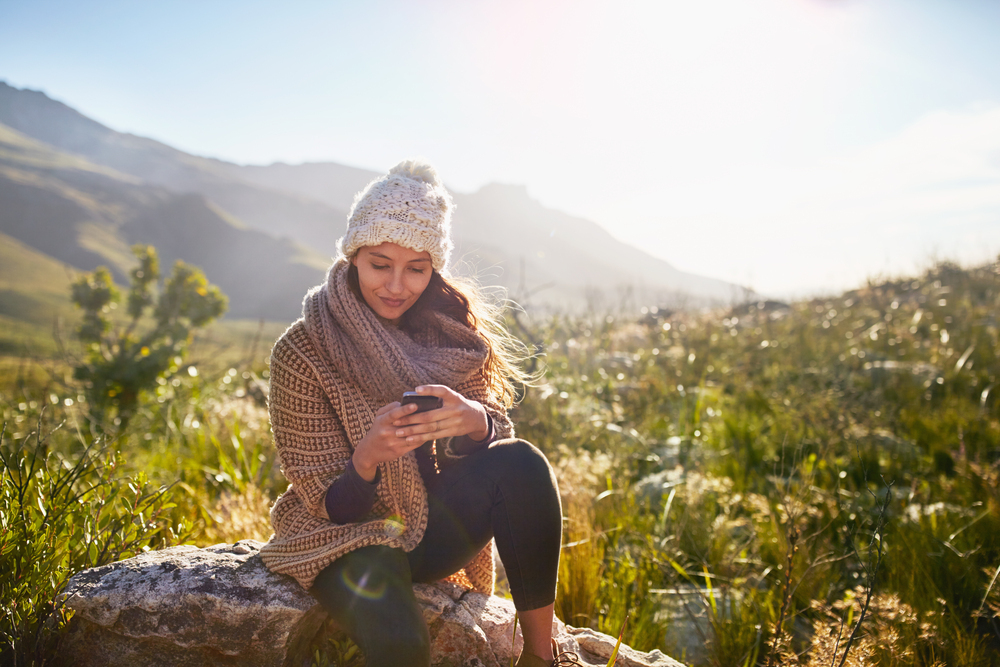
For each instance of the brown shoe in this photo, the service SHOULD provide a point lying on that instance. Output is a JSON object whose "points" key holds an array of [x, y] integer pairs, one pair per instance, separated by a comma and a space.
{"points": [[564, 659]]}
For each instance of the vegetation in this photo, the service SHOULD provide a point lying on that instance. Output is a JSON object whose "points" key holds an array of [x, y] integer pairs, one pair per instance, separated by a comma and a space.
{"points": [[755, 479], [741, 484], [61, 514], [123, 361]]}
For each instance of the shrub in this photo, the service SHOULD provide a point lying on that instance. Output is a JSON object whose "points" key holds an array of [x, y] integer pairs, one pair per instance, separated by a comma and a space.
{"points": [[123, 361]]}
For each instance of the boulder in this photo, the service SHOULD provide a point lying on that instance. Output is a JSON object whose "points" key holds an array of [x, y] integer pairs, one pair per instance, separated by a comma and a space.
{"points": [[221, 606]]}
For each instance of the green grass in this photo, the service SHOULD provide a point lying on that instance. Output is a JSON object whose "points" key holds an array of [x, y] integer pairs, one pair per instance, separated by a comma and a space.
{"points": [[760, 424], [715, 467]]}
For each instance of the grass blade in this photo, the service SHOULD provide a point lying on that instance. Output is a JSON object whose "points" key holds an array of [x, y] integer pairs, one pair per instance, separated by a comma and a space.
{"points": [[513, 636], [711, 593], [990, 587], [614, 654]]}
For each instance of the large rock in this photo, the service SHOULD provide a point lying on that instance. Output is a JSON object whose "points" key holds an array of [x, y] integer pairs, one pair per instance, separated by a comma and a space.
{"points": [[221, 606]]}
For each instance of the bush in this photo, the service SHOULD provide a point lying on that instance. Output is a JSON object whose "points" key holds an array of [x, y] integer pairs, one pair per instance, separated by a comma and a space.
{"points": [[122, 362]]}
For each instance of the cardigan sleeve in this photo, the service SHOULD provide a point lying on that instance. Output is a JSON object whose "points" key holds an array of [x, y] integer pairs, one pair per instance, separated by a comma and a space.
{"points": [[311, 443], [350, 496]]}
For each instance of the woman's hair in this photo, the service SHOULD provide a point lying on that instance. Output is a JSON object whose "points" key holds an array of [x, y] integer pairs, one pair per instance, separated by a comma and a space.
{"points": [[464, 301]]}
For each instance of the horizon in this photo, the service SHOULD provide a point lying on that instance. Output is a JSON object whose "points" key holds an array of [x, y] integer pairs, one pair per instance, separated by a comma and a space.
{"points": [[824, 143]]}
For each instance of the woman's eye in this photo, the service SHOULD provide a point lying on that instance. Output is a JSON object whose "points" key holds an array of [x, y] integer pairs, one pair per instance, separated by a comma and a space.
{"points": [[380, 267], [416, 270]]}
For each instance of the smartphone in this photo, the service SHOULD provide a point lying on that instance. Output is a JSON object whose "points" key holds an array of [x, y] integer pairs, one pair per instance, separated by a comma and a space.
{"points": [[424, 402]]}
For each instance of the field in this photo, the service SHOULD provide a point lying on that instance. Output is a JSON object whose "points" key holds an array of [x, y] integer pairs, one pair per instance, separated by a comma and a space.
{"points": [[766, 484]]}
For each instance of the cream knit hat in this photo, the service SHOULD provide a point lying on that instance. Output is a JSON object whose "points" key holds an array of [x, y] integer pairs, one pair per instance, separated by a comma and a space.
{"points": [[409, 206]]}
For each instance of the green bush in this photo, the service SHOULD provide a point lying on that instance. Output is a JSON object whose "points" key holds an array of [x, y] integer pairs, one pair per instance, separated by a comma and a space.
{"points": [[123, 361]]}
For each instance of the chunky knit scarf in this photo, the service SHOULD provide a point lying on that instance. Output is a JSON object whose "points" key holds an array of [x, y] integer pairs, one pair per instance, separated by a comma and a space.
{"points": [[330, 372], [382, 359]]}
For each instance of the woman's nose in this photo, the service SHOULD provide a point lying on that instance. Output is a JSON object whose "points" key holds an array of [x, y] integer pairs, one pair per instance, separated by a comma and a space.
{"points": [[395, 284]]}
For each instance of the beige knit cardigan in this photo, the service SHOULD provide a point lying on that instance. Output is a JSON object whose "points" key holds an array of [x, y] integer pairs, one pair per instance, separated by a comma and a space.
{"points": [[320, 410]]}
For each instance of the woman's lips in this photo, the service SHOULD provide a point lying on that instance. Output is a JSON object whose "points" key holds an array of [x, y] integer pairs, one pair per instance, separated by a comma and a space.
{"points": [[392, 303]]}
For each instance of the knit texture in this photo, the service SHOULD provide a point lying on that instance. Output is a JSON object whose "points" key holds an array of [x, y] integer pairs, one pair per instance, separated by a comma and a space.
{"points": [[330, 373], [410, 207]]}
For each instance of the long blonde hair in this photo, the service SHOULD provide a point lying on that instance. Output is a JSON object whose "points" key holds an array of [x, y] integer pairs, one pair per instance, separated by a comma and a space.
{"points": [[464, 301]]}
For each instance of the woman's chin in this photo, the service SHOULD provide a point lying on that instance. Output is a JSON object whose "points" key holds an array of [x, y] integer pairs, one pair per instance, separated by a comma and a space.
{"points": [[391, 313]]}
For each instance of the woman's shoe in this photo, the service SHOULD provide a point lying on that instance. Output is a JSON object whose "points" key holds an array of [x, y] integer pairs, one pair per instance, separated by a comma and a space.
{"points": [[564, 659]]}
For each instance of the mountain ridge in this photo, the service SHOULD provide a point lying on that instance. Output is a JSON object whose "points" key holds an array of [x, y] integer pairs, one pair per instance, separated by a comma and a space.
{"points": [[86, 215], [544, 257]]}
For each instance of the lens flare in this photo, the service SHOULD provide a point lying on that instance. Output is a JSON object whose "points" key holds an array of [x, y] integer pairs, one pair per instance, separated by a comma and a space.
{"points": [[394, 525], [362, 587]]}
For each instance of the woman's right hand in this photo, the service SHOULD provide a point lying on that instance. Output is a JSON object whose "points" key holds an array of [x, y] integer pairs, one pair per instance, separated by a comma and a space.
{"points": [[381, 443]]}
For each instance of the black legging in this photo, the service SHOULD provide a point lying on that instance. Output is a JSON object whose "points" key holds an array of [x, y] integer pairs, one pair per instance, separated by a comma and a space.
{"points": [[507, 492]]}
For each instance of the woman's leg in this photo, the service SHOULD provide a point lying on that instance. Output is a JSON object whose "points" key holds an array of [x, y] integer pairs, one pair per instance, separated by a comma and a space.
{"points": [[369, 592], [507, 492], [536, 627]]}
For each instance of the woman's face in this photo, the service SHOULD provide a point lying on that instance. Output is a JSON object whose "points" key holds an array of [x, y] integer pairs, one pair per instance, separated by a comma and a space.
{"points": [[392, 278]]}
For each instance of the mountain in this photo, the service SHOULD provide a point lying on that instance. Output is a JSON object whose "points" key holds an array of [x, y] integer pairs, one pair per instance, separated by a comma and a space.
{"points": [[307, 221], [542, 256], [327, 182], [545, 258], [560, 251], [85, 215]]}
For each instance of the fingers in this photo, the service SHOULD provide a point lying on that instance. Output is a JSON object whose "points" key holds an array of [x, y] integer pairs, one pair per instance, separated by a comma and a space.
{"points": [[427, 417], [382, 444], [456, 417], [397, 412], [386, 408], [436, 430], [446, 394]]}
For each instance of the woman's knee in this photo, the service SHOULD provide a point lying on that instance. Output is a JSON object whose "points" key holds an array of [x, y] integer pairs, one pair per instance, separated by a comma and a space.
{"points": [[369, 592], [522, 459]]}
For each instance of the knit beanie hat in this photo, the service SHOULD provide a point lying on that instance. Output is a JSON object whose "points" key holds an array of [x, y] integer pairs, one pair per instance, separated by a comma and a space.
{"points": [[409, 206]]}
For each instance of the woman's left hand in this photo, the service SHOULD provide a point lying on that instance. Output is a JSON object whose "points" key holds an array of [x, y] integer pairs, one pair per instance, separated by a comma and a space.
{"points": [[457, 416]]}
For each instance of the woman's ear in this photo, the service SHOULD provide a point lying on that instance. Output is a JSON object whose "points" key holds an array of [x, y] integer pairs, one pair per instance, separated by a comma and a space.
{"points": [[354, 259]]}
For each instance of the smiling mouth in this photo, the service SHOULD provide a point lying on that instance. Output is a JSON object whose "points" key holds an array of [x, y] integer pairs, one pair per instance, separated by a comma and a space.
{"points": [[392, 303]]}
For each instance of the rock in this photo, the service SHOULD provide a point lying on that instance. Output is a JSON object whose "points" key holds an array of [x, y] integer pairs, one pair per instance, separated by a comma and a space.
{"points": [[221, 606], [184, 606]]}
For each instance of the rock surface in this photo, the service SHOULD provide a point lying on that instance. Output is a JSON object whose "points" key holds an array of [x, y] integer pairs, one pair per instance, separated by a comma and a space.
{"points": [[221, 606]]}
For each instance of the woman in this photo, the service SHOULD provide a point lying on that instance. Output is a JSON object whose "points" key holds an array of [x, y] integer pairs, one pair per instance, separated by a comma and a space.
{"points": [[381, 495]]}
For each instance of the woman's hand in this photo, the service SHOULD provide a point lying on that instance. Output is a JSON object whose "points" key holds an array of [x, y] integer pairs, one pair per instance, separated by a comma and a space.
{"points": [[457, 416], [382, 443]]}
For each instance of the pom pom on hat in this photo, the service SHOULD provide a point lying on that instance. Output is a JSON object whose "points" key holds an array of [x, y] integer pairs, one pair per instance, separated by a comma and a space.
{"points": [[409, 206]]}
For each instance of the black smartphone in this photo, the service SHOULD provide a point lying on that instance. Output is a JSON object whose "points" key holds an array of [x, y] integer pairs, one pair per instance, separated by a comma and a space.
{"points": [[423, 401]]}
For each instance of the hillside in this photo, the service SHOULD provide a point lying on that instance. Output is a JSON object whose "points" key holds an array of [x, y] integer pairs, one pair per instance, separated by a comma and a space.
{"points": [[34, 293], [509, 238], [86, 215], [35, 115], [719, 467], [715, 468]]}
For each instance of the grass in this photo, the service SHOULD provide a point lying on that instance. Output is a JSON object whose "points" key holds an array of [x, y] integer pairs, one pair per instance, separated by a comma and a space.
{"points": [[731, 432], [723, 474]]}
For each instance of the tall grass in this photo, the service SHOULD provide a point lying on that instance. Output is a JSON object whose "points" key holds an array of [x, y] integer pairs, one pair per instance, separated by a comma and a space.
{"points": [[61, 512], [722, 474], [751, 453]]}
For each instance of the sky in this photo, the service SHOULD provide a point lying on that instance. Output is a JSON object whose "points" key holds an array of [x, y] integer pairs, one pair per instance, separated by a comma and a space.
{"points": [[798, 147]]}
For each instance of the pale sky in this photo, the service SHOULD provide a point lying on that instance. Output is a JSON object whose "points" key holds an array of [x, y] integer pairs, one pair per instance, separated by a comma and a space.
{"points": [[798, 146]]}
